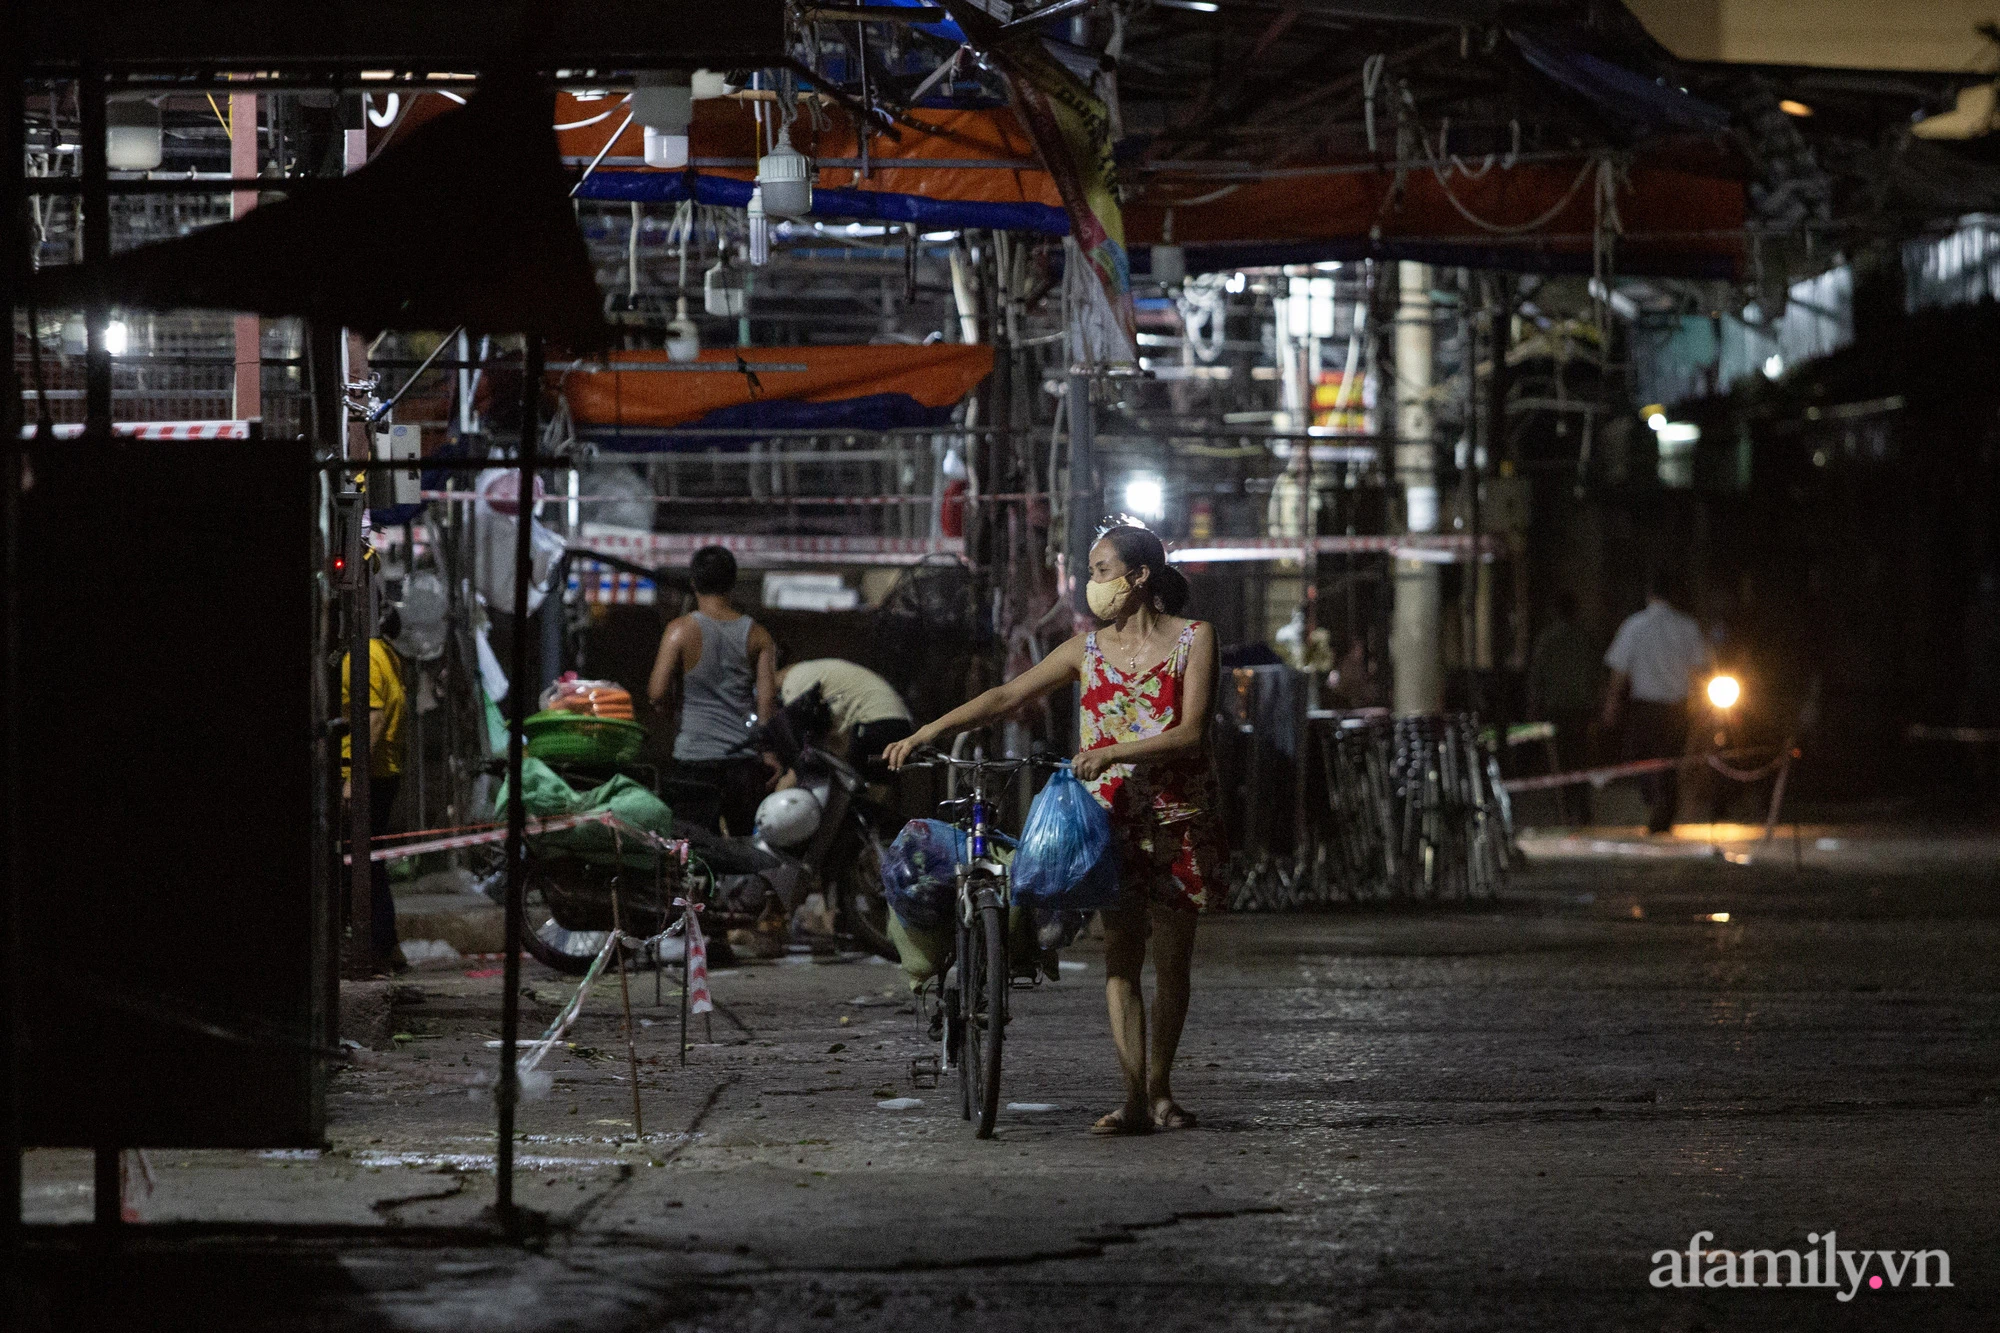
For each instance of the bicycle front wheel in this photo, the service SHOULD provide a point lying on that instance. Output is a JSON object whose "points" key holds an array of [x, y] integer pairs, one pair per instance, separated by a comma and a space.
{"points": [[982, 979]]}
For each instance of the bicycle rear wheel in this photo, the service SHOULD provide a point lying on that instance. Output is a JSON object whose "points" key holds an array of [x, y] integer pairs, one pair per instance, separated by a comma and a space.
{"points": [[982, 979]]}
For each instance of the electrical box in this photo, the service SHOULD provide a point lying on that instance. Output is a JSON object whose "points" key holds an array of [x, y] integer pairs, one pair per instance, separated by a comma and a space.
{"points": [[402, 443]]}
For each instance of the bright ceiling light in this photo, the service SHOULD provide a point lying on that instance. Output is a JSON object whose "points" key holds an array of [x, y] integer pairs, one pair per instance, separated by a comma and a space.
{"points": [[1724, 691], [1146, 497], [1657, 420], [1198, 6], [116, 338], [1791, 108], [1774, 366]]}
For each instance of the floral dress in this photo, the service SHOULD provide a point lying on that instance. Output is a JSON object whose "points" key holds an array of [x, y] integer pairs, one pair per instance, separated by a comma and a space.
{"points": [[1164, 812]]}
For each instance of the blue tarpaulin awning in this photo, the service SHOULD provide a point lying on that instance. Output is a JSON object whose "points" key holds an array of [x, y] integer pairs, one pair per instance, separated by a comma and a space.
{"points": [[672, 187]]}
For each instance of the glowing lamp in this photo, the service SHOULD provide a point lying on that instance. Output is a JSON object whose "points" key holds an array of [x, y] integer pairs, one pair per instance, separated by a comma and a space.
{"points": [[1146, 497], [1724, 691]]}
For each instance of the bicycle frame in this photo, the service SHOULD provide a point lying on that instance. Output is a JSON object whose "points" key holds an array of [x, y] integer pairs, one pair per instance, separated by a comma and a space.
{"points": [[981, 860], [981, 880]]}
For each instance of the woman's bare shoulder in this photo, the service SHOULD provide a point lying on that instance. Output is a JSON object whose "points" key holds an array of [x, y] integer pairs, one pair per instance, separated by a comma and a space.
{"points": [[1071, 649]]}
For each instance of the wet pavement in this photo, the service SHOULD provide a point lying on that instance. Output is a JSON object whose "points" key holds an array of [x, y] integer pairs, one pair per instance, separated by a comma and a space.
{"points": [[1488, 1117]]}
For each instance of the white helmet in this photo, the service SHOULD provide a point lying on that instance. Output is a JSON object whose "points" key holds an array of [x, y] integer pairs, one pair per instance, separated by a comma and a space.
{"points": [[788, 818]]}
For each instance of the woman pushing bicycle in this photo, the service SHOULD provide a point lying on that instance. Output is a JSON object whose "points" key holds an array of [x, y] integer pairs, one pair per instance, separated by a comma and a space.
{"points": [[1148, 681]]}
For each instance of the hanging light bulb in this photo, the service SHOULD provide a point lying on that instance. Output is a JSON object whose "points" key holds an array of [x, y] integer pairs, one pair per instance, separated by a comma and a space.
{"points": [[668, 151], [722, 291], [683, 338], [760, 228], [785, 176], [664, 104]]}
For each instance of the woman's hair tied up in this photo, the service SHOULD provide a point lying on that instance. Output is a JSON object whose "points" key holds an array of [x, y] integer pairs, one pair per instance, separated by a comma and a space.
{"points": [[1140, 548]]}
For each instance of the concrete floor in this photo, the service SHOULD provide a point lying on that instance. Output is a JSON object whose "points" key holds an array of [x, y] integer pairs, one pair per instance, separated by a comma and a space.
{"points": [[1473, 1119]]}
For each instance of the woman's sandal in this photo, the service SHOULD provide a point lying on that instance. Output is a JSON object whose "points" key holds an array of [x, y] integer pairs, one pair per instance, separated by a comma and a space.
{"points": [[1174, 1117], [1115, 1123]]}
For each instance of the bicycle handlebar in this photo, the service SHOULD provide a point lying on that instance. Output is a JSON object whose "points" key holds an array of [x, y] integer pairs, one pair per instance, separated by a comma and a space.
{"points": [[931, 757]]}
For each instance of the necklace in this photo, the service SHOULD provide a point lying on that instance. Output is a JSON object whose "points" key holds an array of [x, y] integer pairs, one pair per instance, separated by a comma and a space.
{"points": [[1132, 659]]}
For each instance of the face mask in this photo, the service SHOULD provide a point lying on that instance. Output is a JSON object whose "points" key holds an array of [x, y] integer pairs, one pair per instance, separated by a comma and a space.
{"points": [[1106, 598]]}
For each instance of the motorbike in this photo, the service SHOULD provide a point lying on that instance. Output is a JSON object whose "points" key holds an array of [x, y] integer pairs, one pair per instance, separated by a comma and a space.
{"points": [[820, 833], [826, 822]]}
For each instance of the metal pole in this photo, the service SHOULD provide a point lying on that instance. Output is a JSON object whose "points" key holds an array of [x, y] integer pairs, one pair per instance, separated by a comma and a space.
{"points": [[412, 685], [1413, 642], [1084, 492], [625, 997], [517, 712], [90, 98], [360, 770], [1472, 588], [13, 275], [687, 973], [1778, 791], [108, 1205]]}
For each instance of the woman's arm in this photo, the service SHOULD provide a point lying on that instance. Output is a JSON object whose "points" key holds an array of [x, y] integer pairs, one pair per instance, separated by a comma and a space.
{"points": [[1051, 673], [1190, 729]]}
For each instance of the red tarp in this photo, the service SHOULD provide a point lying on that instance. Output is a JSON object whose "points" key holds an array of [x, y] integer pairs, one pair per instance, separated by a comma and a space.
{"points": [[1663, 210]]}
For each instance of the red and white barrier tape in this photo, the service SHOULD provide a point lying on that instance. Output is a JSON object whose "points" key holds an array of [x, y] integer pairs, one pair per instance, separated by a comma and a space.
{"points": [[1444, 548], [766, 501], [1919, 731], [153, 430], [525, 1061], [676, 847], [699, 1001], [1597, 777], [677, 547]]}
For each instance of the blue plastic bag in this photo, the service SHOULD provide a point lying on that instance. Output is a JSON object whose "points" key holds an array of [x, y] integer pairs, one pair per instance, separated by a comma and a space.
{"points": [[1066, 861], [918, 871]]}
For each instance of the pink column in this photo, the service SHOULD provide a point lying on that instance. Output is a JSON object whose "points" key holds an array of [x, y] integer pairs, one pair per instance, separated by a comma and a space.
{"points": [[249, 332]]}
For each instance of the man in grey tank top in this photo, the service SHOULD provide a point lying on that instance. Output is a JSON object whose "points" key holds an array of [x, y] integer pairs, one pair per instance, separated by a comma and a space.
{"points": [[717, 667]]}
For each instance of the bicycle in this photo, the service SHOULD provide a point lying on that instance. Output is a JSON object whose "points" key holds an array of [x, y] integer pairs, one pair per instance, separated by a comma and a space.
{"points": [[973, 984]]}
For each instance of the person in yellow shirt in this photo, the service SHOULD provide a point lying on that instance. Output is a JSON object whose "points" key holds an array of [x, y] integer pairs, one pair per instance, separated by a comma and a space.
{"points": [[387, 703], [868, 714]]}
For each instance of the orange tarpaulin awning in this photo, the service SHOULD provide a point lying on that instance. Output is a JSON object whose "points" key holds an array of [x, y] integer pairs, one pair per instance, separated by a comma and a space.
{"points": [[932, 377]]}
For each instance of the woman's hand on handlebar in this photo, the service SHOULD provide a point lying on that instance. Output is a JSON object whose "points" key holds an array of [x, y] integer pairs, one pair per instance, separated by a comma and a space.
{"points": [[898, 752]]}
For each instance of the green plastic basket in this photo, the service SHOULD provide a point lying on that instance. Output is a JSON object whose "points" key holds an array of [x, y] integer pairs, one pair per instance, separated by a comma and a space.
{"points": [[558, 737]]}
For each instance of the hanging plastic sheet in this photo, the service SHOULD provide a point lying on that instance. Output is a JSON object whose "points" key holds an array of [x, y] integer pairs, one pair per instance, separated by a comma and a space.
{"points": [[493, 552]]}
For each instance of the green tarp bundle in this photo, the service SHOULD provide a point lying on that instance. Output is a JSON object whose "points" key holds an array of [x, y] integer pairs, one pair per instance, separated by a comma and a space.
{"points": [[547, 796]]}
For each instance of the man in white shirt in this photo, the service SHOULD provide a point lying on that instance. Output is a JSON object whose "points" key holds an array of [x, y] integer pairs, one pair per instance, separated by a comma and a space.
{"points": [[1657, 655]]}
